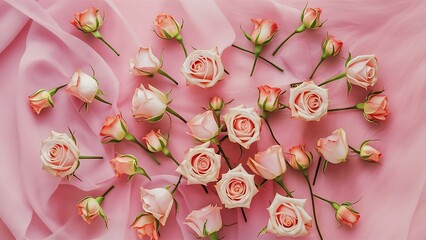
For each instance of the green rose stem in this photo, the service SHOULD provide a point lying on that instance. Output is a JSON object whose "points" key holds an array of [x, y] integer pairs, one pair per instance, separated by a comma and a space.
{"points": [[333, 204], [214, 236], [257, 51], [244, 214], [354, 149], [261, 184], [357, 106], [91, 157], [305, 174], [97, 97], [316, 170], [280, 182], [54, 90], [101, 198], [176, 185], [167, 76], [300, 29], [169, 155], [132, 138], [323, 57], [265, 118], [264, 59], [223, 154], [98, 35], [337, 77], [171, 111], [180, 41]]}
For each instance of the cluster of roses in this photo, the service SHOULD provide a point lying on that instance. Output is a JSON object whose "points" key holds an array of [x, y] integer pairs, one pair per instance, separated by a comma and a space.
{"points": [[202, 163]]}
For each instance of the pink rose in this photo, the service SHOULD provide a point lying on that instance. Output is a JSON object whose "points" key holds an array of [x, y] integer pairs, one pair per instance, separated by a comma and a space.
{"points": [[268, 164], [200, 165], [334, 148], [203, 68], [145, 63], [346, 215], [89, 209], [204, 126], [114, 129], [268, 98], [376, 108], [206, 219], [83, 87], [149, 105], [216, 103], [40, 100], [308, 101], [299, 157], [146, 225], [311, 18], [243, 125], [124, 164], [362, 71], [288, 217], [236, 188], [59, 154], [89, 20], [166, 26], [155, 141], [331, 46], [158, 202], [263, 32], [370, 154]]}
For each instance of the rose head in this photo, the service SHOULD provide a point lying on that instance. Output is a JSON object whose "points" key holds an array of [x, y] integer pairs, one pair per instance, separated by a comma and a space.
{"points": [[158, 202], [39, 100], [268, 98], [376, 108], [331, 46], [124, 164], [369, 154], [299, 158], [114, 129], [146, 225], [346, 215], [204, 126], [89, 209], [145, 63], [216, 103], [263, 32], [83, 87], [362, 71], [311, 18], [166, 26], [206, 219], [89, 20], [155, 141], [334, 148], [149, 105], [308, 101], [268, 164]]}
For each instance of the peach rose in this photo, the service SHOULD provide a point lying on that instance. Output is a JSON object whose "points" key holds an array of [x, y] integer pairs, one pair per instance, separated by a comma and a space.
{"points": [[268, 164], [311, 18], [146, 225], [83, 87], [370, 154], [205, 220], [145, 63], [155, 141], [308, 101], [243, 125], [149, 105], [263, 32], [158, 202], [89, 209], [124, 164], [347, 215], [39, 100], [59, 154], [204, 126], [299, 157], [216, 103], [203, 68], [114, 129], [201, 165], [334, 148], [362, 71], [331, 46], [376, 108], [288, 217], [268, 98], [89, 20], [166, 26], [236, 188]]}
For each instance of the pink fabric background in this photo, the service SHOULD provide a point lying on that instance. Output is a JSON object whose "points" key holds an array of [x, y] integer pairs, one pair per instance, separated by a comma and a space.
{"points": [[40, 49]]}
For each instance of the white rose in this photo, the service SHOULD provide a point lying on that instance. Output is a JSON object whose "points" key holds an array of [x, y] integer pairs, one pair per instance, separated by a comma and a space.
{"points": [[149, 105], [83, 86], [308, 101]]}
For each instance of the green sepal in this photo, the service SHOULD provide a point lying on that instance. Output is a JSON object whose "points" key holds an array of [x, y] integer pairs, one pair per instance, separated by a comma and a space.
{"points": [[348, 59], [137, 217], [205, 233], [168, 36], [176, 206], [72, 136], [155, 119], [348, 86], [142, 172], [324, 166], [303, 12], [104, 217], [263, 231]]}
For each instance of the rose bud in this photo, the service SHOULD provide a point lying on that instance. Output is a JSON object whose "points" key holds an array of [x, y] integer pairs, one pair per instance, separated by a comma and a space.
{"points": [[331, 46], [89, 20], [311, 18], [334, 148], [39, 100], [375, 108], [127, 164], [158, 202], [204, 126], [145, 63], [89, 208], [345, 214], [114, 129], [362, 71], [236, 188], [370, 154], [205, 221], [146, 225], [166, 26], [268, 98], [299, 158], [308, 101], [288, 217], [268, 164], [263, 32], [155, 141], [149, 105], [216, 103], [83, 87]]}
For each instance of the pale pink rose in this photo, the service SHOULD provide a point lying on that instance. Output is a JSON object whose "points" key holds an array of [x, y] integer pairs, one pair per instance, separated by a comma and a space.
{"points": [[40, 100], [376, 108], [203, 68], [243, 125], [346, 215], [59, 154], [263, 32], [268, 164], [83, 87], [362, 71], [308, 101], [124, 164], [331, 46], [146, 225], [166, 26], [145, 63], [201, 165], [149, 105], [155, 141], [158, 202], [268, 98], [334, 148], [236, 188], [370, 154], [114, 129], [288, 217], [299, 157], [207, 218], [311, 17], [89, 209], [204, 126], [216, 103], [89, 20]]}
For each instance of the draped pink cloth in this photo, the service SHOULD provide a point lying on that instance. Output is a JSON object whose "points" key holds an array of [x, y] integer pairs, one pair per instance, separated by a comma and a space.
{"points": [[40, 49]]}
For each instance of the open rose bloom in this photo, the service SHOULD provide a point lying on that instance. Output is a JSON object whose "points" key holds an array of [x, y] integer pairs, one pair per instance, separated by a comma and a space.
{"points": [[146, 226], [158, 202], [207, 218], [166, 26], [308, 101], [114, 129], [268, 164], [83, 87], [334, 148], [204, 126], [145, 63], [89, 20], [149, 104], [362, 71], [263, 32]]}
